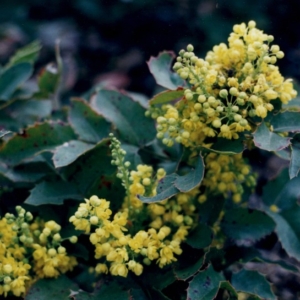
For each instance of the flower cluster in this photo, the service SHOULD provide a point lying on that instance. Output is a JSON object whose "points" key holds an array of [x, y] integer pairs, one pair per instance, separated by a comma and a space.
{"points": [[14, 270], [50, 258], [29, 249], [230, 90], [139, 233], [226, 175], [120, 242], [143, 183]]}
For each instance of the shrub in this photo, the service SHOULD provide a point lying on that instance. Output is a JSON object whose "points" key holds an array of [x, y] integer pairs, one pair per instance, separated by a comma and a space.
{"points": [[148, 200]]}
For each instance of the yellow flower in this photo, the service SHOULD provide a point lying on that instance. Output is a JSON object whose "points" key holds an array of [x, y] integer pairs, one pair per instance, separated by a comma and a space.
{"points": [[261, 111], [166, 256], [240, 76], [118, 269], [101, 269]]}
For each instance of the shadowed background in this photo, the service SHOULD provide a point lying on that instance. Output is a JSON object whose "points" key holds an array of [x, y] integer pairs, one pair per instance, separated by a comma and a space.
{"points": [[109, 42]]}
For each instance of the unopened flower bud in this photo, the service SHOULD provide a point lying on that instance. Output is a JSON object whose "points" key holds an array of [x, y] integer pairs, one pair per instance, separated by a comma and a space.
{"points": [[223, 93], [73, 239], [233, 91], [94, 220], [190, 48], [217, 123], [251, 24]]}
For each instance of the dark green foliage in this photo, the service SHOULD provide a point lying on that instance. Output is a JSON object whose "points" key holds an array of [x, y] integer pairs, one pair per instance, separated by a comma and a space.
{"points": [[246, 224], [254, 283], [205, 285], [52, 157], [87, 123], [47, 289], [126, 114], [12, 78]]}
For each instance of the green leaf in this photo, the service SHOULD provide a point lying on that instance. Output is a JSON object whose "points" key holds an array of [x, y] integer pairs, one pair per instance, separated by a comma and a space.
{"points": [[78, 250], [295, 158], [246, 224], [49, 77], [205, 285], [173, 184], [225, 285], [165, 189], [281, 191], [8, 122], [284, 194], [209, 211], [103, 291], [225, 146], [4, 132], [252, 282], [288, 229], [137, 294], [294, 104], [246, 254], [87, 123], [48, 80], [160, 68], [26, 112], [93, 169], [53, 193], [84, 278], [31, 109], [49, 289], [187, 272], [27, 172], [69, 152], [35, 139], [127, 114], [156, 294], [140, 98], [167, 96], [13, 78], [200, 237], [267, 140], [28, 53], [284, 154], [159, 278], [287, 121], [192, 179]]}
